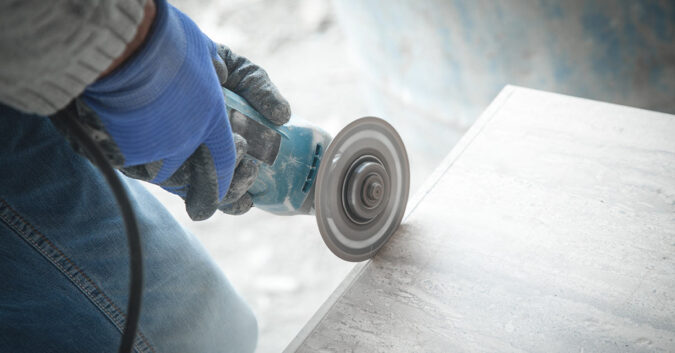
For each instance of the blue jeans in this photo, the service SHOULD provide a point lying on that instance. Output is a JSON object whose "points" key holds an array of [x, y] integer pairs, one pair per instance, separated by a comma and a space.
{"points": [[64, 262]]}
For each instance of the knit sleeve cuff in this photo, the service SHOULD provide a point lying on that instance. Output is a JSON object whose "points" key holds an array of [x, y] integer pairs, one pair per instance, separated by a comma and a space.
{"points": [[148, 72], [60, 63]]}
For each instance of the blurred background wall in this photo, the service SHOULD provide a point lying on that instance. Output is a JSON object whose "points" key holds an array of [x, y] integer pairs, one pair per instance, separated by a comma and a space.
{"points": [[429, 67], [434, 65]]}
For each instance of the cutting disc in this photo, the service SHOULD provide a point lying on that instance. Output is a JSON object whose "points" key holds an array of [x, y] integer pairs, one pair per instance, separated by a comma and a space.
{"points": [[361, 189]]}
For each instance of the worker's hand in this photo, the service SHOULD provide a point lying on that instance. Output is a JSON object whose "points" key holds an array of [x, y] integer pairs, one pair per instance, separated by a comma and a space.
{"points": [[161, 116], [237, 200], [251, 82]]}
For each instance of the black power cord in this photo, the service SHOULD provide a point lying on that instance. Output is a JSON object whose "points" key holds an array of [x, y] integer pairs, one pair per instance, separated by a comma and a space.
{"points": [[67, 119]]}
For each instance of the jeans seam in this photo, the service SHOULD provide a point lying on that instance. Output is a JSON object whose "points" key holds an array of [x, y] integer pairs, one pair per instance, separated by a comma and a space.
{"points": [[56, 256]]}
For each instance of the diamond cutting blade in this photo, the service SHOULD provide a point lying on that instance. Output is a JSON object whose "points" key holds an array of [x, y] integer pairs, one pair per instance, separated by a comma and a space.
{"points": [[362, 188]]}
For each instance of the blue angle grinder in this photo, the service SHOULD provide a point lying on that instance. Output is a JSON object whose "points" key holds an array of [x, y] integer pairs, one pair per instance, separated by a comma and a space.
{"points": [[355, 184]]}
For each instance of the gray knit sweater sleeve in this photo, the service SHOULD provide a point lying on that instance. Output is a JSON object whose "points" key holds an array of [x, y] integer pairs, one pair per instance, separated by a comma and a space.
{"points": [[51, 50]]}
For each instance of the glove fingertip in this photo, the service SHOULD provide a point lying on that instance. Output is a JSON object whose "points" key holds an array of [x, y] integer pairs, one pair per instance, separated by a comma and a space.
{"points": [[240, 144], [240, 147], [281, 112], [201, 199], [239, 207], [221, 69], [197, 212], [243, 178]]}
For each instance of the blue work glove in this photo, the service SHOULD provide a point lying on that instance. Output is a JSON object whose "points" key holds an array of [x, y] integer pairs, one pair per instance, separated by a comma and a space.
{"points": [[161, 116]]}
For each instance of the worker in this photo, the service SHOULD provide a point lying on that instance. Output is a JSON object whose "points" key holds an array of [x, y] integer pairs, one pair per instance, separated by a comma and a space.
{"points": [[145, 83]]}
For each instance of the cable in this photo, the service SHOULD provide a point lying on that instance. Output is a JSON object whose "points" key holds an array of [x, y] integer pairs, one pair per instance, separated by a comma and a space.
{"points": [[67, 119]]}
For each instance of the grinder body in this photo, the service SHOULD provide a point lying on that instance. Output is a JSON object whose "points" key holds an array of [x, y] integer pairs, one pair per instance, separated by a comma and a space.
{"points": [[289, 157]]}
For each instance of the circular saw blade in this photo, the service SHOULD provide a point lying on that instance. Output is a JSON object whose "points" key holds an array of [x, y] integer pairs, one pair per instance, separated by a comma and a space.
{"points": [[362, 187]]}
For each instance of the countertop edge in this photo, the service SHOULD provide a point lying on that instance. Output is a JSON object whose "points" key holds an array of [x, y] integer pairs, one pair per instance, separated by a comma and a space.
{"points": [[432, 180]]}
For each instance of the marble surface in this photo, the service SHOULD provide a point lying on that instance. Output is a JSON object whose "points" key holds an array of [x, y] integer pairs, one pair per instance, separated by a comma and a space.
{"points": [[550, 227]]}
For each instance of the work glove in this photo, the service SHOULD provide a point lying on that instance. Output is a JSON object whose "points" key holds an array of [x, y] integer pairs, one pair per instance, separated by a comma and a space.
{"points": [[161, 116]]}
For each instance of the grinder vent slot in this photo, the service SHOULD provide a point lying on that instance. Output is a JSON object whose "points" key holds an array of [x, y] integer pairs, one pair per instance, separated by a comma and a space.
{"points": [[312, 170]]}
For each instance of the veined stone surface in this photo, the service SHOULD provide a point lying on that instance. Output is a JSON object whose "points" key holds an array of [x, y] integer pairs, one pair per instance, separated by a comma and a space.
{"points": [[550, 227]]}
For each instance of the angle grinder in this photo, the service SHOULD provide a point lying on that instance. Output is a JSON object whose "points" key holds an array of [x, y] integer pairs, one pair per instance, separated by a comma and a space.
{"points": [[356, 184]]}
